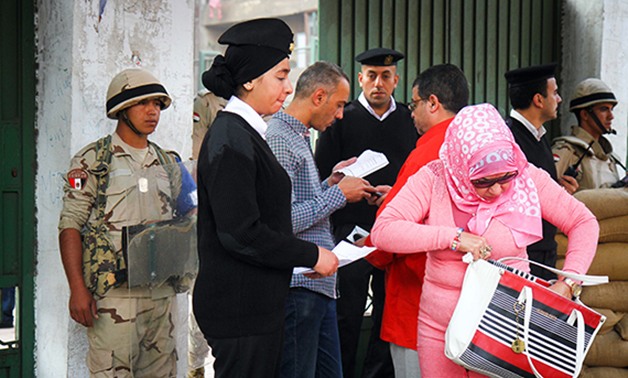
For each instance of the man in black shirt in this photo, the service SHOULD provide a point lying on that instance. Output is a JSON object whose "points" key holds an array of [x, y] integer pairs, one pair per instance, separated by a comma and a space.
{"points": [[534, 98], [374, 121]]}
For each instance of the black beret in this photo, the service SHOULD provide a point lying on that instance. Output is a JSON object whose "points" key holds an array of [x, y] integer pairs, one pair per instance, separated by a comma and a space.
{"points": [[255, 47], [379, 57], [263, 32], [529, 75]]}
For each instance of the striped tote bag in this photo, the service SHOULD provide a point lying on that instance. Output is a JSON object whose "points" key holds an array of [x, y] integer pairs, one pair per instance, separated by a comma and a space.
{"points": [[508, 324]]}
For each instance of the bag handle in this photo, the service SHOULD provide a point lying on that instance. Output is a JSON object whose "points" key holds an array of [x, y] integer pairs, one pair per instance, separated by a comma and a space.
{"points": [[525, 297], [587, 280]]}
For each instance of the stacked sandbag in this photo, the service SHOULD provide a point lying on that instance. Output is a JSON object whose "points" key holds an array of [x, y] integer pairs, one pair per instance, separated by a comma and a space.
{"points": [[608, 356]]}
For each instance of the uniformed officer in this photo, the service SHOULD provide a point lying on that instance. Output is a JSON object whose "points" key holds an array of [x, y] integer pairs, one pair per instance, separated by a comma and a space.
{"points": [[206, 106], [377, 122], [586, 153], [129, 330]]}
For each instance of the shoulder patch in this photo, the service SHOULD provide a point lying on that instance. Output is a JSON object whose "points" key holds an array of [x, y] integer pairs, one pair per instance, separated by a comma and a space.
{"points": [[556, 158], [196, 117], [77, 178]]}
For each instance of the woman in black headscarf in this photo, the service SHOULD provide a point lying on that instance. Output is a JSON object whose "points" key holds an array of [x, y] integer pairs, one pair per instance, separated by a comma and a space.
{"points": [[245, 241]]}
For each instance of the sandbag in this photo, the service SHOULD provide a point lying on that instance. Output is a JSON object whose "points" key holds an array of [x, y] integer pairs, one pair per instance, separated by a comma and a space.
{"points": [[612, 318], [622, 328], [606, 202], [611, 259], [608, 350], [613, 295], [604, 372], [614, 229]]}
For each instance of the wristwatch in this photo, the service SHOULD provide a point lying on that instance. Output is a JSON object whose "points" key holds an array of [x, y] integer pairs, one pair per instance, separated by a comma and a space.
{"points": [[576, 288]]}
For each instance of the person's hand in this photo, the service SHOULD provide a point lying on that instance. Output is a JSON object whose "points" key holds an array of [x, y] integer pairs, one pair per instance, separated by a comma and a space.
{"points": [[337, 176], [379, 195], [326, 265], [477, 245], [561, 288], [569, 183], [355, 189], [83, 307]]}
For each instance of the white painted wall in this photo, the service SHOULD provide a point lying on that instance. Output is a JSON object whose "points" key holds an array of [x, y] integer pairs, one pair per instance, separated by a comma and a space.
{"points": [[78, 55], [594, 45]]}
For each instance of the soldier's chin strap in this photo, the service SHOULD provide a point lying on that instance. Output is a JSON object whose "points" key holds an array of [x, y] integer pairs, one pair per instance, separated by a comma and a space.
{"points": [[598, 123], [126, 119]]}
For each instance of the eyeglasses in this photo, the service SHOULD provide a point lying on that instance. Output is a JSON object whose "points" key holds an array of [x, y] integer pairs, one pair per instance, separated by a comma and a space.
{"points": [[484, 183], [413, 105]]}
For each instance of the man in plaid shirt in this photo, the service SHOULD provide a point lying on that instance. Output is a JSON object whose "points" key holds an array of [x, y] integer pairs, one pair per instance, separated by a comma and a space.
{"points": [[311, 343]]}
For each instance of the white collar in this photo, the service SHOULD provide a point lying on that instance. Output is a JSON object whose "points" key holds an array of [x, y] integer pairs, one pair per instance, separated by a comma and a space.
{"points": [[538, 134], [391, 108], [244, 110]]}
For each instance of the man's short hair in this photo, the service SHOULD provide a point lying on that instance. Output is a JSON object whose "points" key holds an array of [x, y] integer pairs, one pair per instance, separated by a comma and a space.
{"points": [[521, 96], [447, 82], [320, 74], [525, 82]]}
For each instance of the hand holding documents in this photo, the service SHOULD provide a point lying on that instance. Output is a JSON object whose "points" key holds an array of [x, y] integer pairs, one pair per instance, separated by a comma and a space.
{"points": [[368, 162], [346, 252]]}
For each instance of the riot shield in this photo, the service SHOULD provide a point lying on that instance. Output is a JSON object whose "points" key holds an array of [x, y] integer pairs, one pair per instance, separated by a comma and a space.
{"points": [[160, 250], [160, 258]]}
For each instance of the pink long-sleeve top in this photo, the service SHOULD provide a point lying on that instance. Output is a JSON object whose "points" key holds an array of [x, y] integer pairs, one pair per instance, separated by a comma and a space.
{"points": [[425, 199]]}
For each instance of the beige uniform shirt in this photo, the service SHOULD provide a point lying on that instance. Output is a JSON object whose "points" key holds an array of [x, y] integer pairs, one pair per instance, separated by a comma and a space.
{"points": [[597, 168], [126, 205], [206, 106]]}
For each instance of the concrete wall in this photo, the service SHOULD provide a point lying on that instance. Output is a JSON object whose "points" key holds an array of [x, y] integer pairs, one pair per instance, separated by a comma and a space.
{"points": [[78, 54], [594, 45]]}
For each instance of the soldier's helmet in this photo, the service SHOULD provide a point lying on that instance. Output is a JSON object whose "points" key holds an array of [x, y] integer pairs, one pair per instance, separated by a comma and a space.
{"points": [[131, 86], [590, 92]]}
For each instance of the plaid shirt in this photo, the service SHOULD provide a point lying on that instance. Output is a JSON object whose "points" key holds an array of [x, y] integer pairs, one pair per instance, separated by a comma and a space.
{"points": [[313, 201]]}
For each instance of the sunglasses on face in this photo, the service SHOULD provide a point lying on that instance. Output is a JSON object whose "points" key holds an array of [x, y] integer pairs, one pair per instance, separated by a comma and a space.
{"points": [[484, 183]]}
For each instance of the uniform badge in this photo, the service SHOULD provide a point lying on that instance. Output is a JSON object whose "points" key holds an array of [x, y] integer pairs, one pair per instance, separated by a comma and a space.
{"points": [[556, 158], [77, 178], [196, 117], [388, 60]]}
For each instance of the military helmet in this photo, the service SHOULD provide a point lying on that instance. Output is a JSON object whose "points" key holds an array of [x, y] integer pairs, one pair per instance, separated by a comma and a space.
{"points": [[590, 92], [131, 86]]}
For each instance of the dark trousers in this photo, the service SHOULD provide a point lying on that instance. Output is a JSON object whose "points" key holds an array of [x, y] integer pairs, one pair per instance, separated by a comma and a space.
{"points": [[353, 283], [546, 258], [311, 347], [255, 356]]}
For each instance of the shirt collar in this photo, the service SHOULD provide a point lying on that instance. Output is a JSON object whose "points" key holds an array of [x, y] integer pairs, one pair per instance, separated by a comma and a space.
{"points": [[244, 110], [538, 134], [365, 103], [294, 123]]}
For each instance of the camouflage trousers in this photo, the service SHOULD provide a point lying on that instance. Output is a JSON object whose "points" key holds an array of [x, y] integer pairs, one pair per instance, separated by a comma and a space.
{"points": [[132, 337]]}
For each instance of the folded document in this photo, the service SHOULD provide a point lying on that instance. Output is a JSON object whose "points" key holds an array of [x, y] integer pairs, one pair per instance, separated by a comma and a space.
{"points": [[346, 252], [368, 162]]}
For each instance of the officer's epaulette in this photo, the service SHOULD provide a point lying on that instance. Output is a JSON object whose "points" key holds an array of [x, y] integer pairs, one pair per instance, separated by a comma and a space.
{"points": [[570, 141]]}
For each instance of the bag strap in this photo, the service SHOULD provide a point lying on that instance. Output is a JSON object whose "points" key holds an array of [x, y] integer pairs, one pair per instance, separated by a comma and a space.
{"points": [[587, 280], [525, 298], [103, 157]]}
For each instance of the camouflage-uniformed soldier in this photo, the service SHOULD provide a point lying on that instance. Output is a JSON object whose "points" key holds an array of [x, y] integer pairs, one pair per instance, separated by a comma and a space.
{"points": [[206, 105], [129, 330], [592, 104]]}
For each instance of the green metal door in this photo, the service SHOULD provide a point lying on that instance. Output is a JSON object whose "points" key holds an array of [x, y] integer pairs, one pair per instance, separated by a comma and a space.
{"points": [[485, 38], [17, 160]]}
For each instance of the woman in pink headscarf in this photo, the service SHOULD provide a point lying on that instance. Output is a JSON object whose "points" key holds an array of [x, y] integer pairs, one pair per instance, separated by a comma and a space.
{"points": [[480, 197]]}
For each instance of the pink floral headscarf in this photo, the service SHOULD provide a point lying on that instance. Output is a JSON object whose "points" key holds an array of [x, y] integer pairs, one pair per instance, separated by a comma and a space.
{"points": [[478, 144]]}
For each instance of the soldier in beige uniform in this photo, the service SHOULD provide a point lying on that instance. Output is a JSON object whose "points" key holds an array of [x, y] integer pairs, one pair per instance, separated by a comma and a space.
{"points": [[130, 331], [206, 106], [586, 154]]}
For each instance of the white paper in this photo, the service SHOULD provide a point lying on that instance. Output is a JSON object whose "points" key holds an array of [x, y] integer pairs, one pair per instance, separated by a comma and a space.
{"points": [[368, 162], [346, 253]]}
